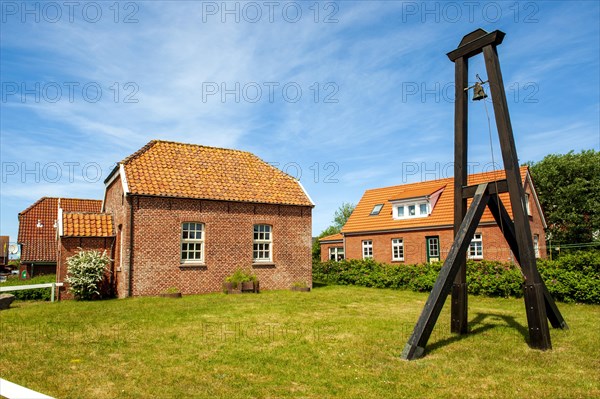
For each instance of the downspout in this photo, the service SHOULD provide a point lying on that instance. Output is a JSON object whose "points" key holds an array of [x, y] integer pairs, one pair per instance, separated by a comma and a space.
{"points": [[130, 288]]}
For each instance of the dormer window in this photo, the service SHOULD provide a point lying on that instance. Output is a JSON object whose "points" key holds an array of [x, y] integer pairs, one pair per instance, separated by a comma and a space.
{"points": [[415, 203], [376, 209], [416, 208]]}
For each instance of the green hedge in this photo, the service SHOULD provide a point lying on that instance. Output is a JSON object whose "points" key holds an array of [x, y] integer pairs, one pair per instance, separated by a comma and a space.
{"points": [[40, 294], [572, 278]]}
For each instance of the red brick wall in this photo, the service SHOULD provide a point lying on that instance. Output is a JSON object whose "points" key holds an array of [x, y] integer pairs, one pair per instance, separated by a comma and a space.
{"points": [[69, 246], [228, 243], [118, 205], [494, 245]]}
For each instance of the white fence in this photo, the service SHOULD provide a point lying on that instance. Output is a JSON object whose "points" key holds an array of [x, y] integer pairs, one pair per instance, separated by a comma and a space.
{"points": [[13, 391], [33, 287]]}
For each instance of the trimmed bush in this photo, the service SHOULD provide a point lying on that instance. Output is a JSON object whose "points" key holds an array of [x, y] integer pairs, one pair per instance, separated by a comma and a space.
{"points": [[85, 273], [572, 278]]}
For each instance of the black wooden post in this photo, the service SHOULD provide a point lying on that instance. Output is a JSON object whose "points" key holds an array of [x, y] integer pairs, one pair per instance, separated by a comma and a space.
{"points": [[459, 304], [539, 334]]}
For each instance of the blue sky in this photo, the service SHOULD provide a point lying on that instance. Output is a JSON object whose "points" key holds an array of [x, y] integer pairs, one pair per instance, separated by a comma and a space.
{"points": [[345, 95]]}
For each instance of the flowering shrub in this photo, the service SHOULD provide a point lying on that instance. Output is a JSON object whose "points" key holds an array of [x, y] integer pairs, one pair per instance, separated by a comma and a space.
{"points": [[85, 272]]}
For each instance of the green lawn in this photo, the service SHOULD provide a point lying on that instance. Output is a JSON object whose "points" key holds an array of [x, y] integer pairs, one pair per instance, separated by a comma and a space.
{"points": [[335, 342]]}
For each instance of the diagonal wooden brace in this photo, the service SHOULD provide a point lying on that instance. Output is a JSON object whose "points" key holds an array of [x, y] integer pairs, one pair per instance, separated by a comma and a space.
{"points": [[443, 284], [508, 229]]}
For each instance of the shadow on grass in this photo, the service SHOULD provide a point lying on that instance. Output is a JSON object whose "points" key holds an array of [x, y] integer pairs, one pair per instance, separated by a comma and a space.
{"points": [[320, 284], [479, 325]]}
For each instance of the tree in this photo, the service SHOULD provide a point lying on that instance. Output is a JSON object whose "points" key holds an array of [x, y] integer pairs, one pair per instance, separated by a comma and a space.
{"points": [[342, 214], [339, 220], [568, 187]]}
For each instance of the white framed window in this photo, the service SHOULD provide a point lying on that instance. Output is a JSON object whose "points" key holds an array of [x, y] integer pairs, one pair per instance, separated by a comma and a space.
{"points": [[336, 253], [262, 243], [397, 249], [409, 210], [400, 212], [192, 242], [412, 210], [367, 248], [476, 247], [527, 206], [536, 245]]}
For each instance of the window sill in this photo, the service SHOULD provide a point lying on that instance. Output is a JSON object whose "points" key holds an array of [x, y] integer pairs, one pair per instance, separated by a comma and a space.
{"points": [[477, 258], [192, 266], [266, 265], [398, 260]]}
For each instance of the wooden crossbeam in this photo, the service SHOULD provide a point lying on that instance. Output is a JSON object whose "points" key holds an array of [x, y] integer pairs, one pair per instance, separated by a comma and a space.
{"points": [[416, 344], [496, 187]]}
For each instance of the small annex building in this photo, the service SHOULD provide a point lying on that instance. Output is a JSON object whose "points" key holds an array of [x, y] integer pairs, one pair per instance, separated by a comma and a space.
{"points": [[413, 223], [38, 231]]}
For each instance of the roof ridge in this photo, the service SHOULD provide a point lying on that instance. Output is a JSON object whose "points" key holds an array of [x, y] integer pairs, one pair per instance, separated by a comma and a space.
{"points": [[55, 198], [201, 145], [450, 178], [153, 142]]}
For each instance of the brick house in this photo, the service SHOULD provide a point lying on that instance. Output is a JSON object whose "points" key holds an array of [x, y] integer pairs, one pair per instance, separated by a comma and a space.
{"points": [[187, 216], [413, 223], [37, 231]]}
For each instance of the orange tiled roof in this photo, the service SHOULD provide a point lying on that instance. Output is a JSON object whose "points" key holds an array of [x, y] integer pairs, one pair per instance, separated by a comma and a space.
{"points": [[169, 169], [333, 237], [441, 215], [39, 243], [83, 224]]}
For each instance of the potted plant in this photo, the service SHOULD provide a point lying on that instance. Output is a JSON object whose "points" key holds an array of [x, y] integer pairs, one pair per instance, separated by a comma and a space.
{"points": [[240, 282], [300, 286], [171, 292]]}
